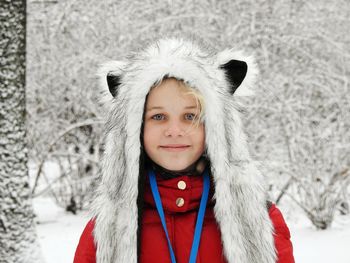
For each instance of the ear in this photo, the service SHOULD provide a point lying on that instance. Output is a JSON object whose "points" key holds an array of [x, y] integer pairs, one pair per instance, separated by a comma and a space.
{"points": [[235, 71], [113, 82], [110, 74], [240, 71]]}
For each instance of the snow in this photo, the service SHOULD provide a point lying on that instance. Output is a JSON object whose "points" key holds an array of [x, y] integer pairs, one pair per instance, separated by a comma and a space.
{"points": [[59, 233], [331, 245]]}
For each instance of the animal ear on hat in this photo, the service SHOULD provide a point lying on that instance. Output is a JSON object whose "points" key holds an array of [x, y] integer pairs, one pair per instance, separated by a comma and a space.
{"points": [[235, 71], [240, 71], [110, 75], [113, 82]]}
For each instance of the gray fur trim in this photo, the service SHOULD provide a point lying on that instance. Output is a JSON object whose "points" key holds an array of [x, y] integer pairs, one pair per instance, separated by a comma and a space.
{"points": [[239, 187]]}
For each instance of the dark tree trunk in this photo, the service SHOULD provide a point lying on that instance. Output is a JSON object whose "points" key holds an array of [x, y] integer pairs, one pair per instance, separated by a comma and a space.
{"points": [[18, 240]]}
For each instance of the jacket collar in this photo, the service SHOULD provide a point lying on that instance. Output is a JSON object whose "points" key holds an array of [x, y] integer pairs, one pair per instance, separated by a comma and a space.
{"points": [[195, 169]]}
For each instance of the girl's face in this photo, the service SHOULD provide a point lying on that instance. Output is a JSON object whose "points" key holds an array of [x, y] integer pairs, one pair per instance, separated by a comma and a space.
{"points": [[170, 138]]}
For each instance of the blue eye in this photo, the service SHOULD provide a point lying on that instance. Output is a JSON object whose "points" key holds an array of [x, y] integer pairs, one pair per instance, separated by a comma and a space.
{"points": [[191, 114], [157, 119]]}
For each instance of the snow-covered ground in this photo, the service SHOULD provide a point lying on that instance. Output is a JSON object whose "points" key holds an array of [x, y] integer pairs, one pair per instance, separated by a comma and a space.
{"points": [[58, 230], [59, 234], [321, 246]]}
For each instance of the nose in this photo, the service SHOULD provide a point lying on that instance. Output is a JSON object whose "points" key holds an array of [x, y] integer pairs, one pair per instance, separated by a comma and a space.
{"points": [[175, 129]]}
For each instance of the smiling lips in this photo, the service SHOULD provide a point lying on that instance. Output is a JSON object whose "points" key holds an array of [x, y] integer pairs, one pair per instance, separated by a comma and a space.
{"points": [[175, 147]]}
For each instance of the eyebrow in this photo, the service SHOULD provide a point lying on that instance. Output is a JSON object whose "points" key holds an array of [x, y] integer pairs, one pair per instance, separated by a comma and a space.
{"points": [[159, 108]]}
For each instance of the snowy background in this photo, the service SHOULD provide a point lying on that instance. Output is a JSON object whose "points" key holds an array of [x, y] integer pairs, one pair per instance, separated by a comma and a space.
{"points": [[298, 124], [59, 234]]}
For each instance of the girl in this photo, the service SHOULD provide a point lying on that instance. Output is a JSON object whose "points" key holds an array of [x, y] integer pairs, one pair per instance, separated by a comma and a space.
{"points": [[178, 183]]}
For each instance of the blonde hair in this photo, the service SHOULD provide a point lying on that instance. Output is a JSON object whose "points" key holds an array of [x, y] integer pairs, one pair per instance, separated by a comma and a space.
{"points": [[188, 90]]}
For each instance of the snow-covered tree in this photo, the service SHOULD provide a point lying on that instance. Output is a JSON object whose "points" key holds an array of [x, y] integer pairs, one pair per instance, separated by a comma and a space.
{"points": [[18, 239], [300, 121]]}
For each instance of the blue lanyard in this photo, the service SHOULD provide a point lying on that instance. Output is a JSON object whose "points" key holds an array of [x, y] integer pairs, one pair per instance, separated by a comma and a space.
{"points": [[200, 217]]}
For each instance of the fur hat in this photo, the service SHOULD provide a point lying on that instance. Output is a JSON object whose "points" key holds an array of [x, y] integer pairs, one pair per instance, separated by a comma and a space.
{"points": [[240, 196]]}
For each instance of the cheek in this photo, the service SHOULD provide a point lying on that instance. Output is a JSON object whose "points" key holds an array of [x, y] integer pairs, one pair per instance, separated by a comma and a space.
{"points": [[149, 136], [200, 137]]}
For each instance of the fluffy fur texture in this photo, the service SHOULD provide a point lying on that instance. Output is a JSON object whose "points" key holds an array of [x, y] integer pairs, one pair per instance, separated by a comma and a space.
{"points": [[239, 190]]}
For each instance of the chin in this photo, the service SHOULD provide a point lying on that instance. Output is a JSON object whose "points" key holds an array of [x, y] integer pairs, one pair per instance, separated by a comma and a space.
{"points": [[176, 168]]}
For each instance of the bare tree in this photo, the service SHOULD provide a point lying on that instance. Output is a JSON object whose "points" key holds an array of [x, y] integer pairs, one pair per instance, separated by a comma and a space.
{"points": [[18, 239], [301, 120]]}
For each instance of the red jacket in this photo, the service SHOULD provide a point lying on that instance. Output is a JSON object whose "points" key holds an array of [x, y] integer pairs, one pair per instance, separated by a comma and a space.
{"points": [[180, 223]]}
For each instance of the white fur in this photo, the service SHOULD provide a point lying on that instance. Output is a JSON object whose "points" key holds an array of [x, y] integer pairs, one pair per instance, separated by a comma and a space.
{"points": [[239, 189]]}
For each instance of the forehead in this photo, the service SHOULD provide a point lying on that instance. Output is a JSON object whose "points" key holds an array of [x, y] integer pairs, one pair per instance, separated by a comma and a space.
{"points": [[170, 91]]}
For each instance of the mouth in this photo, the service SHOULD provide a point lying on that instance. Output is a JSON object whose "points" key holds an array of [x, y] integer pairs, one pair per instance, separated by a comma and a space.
{"points": [[175, 147]]}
